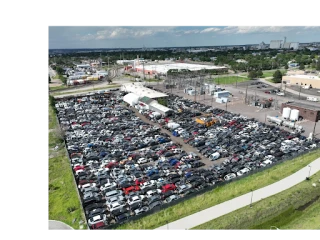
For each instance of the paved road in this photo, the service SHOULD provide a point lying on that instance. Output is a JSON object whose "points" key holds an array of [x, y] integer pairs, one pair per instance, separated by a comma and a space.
{"points": [[57, 225], [244, 200], [278, 85]]}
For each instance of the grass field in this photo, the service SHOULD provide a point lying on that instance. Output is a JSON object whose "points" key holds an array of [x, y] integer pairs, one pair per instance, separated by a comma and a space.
{"points": [[228, 80], [84, 91], [223, 193], [270, 73], [58, 87], [294, 208], [64, 204]]}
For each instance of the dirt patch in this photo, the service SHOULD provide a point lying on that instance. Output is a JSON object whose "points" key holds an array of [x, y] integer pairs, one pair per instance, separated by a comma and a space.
{"points": [[55, 82]]}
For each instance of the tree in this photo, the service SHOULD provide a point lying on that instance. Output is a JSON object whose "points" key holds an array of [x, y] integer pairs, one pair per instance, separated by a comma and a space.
{"points": [[49, 79], [318, 65], [301, 67], [286, 66], [259, 73], [277, 76], [60, 71], [252, 74]]}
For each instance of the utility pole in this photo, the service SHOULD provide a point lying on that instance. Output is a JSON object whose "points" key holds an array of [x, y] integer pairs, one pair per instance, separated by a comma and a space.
{"points": [[211, 101], [143, 70], [299, 91], [245, 100], [195, 90], [226, 105], [314, 129]]}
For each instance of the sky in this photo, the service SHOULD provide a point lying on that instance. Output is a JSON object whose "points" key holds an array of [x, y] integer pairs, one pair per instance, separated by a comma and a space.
{"points": [[63, 37]]}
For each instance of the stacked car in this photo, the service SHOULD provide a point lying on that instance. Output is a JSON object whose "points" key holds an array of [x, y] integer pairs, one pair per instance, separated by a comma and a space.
{"points": [[126, 167]]}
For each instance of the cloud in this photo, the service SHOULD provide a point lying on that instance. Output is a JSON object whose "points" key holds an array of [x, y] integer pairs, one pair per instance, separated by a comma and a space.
{"points": [[212, 29], [257, 29], [191, 31], [125, 33]]}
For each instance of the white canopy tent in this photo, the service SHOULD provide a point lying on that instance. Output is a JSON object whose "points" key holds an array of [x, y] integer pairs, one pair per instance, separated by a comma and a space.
{"points": [[131, 98]]}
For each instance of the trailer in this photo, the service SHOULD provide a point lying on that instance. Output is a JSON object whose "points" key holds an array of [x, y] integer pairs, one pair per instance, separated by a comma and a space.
{"points": [[275, 120], [289, 124]]}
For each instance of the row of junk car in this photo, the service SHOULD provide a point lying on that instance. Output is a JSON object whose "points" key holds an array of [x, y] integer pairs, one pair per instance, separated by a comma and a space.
{"points": [[125, 167]]}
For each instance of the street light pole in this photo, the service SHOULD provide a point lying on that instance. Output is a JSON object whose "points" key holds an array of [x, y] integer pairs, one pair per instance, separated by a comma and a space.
{"points": [[308, 178], [251, 198]]}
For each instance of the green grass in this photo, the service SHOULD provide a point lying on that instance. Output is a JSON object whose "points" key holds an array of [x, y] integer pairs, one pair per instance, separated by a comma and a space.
{"points": [[153, 80], [223, 193], [270, 73], [281, 210], [228, 80], [58, 87], [84, 91], [64, 204]]}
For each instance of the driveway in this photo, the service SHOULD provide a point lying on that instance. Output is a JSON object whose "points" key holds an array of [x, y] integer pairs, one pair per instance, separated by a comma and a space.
{"points": [[57, 225], [244, 200]]}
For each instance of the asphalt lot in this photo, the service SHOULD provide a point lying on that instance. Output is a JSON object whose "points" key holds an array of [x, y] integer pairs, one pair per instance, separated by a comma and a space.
{"points": [[237, 104]]}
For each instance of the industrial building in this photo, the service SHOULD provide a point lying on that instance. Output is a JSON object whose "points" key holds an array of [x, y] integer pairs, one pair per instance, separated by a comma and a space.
{"points": [[283, 44], [139, 89], [308, 80], [308, 112], [163, 68]]}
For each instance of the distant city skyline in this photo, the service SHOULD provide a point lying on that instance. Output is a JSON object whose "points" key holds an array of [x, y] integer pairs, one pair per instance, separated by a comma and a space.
{"points": [[171, 36]]}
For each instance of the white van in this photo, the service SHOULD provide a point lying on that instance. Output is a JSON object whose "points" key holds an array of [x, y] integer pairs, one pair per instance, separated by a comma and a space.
{"points": [[214, 156]]}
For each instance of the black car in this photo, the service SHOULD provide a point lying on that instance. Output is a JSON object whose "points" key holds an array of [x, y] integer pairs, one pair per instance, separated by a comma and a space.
{"points": [[93, 206], [155, 204], [154, 198], [167, 194], [96, 211]]}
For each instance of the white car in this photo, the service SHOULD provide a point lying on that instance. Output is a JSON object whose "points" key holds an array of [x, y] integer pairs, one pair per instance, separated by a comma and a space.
{"points": [[141, 210], [108, 186], [153, 192], [142, 160], [265, 163], [133, 200], [112, 200], [243, 171], [171, 198], [115, 206], [96, 219], [87, 185], [148, 184], [230, 176], [280, 94]]}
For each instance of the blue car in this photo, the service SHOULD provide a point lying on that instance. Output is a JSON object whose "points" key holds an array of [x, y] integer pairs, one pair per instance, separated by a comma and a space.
{"points": [[152, 171]]}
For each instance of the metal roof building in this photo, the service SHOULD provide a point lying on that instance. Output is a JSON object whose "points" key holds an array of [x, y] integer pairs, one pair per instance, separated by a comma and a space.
{"points": [[141, 91], [163, 68]]}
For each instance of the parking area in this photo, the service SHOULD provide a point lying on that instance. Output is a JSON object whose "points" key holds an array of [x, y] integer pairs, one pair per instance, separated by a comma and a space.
{"points": [[128, 160]]}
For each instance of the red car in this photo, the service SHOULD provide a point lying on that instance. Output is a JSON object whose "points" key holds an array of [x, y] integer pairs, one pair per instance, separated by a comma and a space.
{"points": [[139, 181], [112, 164], [131, 189], [168, 187], [76, 168], [98, 225]]}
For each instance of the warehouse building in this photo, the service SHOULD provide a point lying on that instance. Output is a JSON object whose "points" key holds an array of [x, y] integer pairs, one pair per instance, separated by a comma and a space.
{"points": [[151, 104], [308, 80], [163, 68], [308, 112], [140, 90]]}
